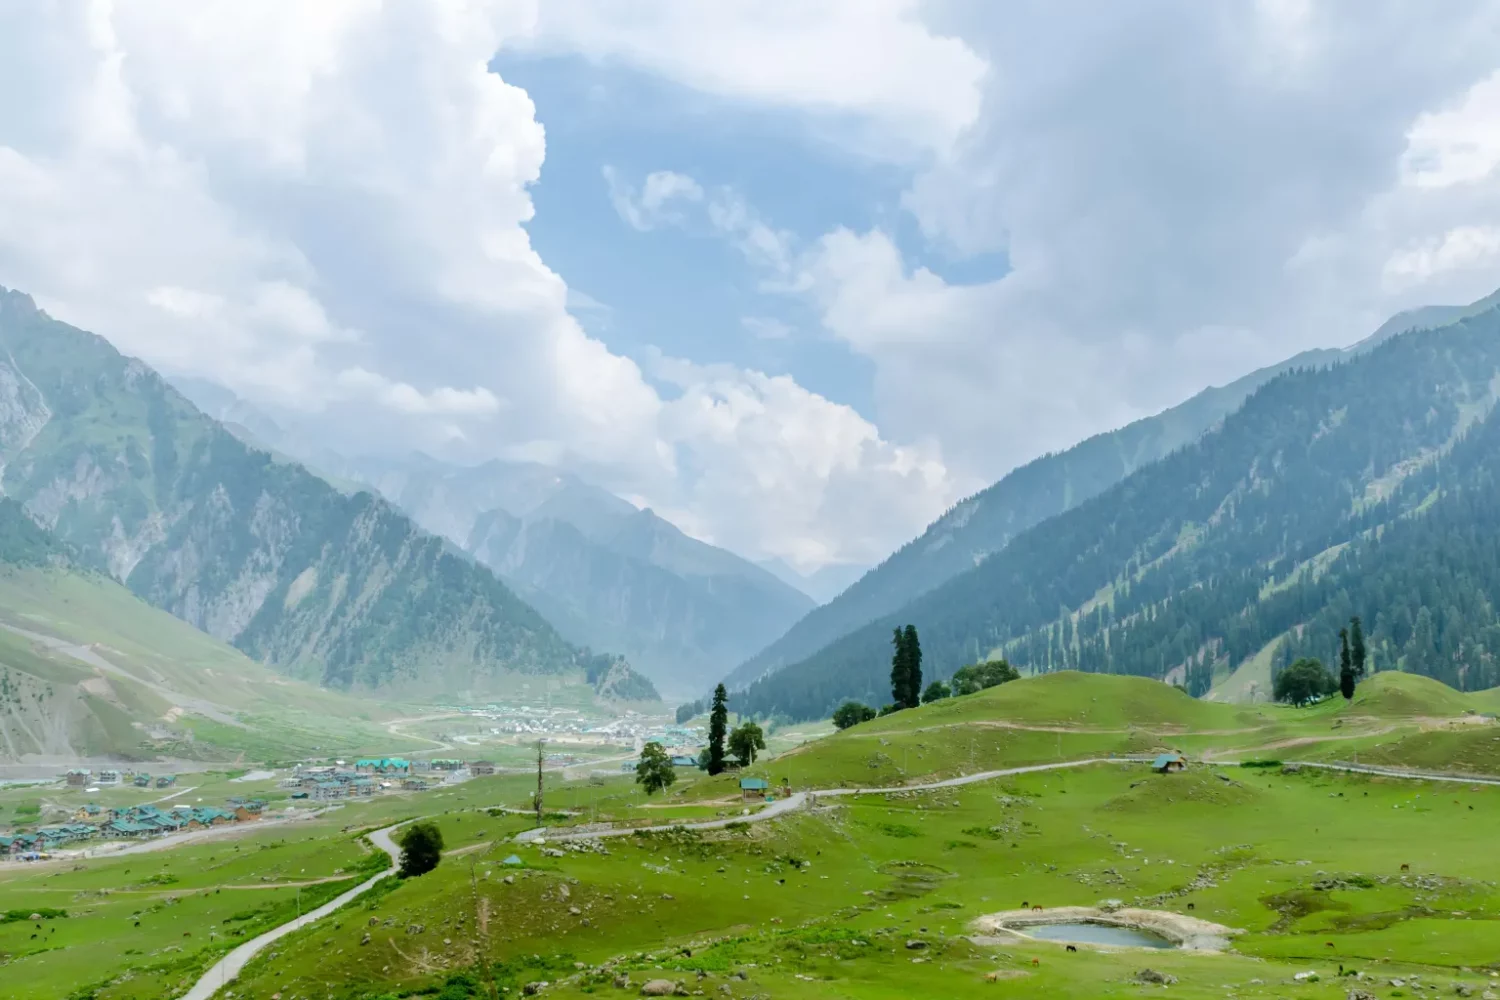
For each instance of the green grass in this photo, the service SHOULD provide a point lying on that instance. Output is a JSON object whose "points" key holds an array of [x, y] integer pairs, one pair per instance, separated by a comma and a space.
{"points": [[822, 903]]}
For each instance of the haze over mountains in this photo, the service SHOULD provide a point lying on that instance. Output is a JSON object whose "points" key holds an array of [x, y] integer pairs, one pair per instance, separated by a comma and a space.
{"points": [[606, 574], [1354, 482]]}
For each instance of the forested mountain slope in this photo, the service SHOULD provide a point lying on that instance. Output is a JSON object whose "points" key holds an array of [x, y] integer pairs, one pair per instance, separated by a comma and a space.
{"points": [[341, 589], [986, 522], [1367, 488]]}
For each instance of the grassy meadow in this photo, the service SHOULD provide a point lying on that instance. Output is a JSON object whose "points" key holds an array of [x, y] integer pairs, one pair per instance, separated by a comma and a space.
{"points": [[868, 895]]}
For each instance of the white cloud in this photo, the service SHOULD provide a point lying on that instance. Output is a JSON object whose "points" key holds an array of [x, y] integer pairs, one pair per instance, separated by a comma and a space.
{"points": [[876, 61], [1457, 145], [1461, 247], [404, 398], [324, 207], [653, 205]]}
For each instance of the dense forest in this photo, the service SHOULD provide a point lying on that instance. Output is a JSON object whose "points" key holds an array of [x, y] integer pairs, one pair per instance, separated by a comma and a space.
{"points": [[1363, 488]]}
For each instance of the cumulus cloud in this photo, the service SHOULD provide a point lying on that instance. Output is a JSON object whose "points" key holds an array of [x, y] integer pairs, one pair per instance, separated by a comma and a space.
{"points": [[324, 207]]}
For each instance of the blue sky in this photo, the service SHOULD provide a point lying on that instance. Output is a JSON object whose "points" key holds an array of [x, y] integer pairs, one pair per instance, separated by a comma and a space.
{"points": [[974, 233]]}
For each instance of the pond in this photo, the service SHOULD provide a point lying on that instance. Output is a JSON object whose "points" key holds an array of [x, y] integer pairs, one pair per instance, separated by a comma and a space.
{"points": [[1098, 934]]}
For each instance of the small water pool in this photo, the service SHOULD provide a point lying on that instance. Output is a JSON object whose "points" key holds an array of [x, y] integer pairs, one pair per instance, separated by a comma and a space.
{"points": [[1098, 934]]}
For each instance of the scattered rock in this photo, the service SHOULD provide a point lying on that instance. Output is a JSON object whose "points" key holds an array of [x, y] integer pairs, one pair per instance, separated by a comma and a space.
{"points": [[1154, 978], [510, 880], [916, 945], [532, 989], [365, 939], [659, 988], [1359, 994]]}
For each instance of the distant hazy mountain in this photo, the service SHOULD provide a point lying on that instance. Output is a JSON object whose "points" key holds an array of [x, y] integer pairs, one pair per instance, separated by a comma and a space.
{"points": [[822, 584], [342, 589], [606, 574], [986, 522], [1368, 488]]}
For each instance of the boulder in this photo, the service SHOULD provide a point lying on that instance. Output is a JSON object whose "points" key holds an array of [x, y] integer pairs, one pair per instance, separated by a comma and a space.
{"points": [[916, 945], [658, 988], [1154, 978]]}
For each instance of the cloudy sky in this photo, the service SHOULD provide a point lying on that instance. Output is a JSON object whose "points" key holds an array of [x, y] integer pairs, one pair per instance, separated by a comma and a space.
{"points": [[796, 274]]}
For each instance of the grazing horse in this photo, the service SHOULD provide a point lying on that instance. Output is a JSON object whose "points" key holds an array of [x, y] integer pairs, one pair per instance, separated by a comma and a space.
{"points": [[1036, 909], [1072, 947], [1190, 906], [1406, 868], [1036, 962], [1328, 944]]}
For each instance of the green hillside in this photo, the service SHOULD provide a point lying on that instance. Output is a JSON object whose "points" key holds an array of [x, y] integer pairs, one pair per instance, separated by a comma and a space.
{"points": [[985, 523], [1367, 488], [342, 590]]}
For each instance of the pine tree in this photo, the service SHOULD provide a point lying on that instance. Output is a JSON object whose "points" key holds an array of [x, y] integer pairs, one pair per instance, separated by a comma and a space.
{"points": [[718, 725], [1357, 647], [899, 671], [913, 667], [1346, 669]]}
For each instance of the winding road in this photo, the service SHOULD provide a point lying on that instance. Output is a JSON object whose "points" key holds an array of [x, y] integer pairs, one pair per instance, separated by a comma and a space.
{"points": [[228, 967]]}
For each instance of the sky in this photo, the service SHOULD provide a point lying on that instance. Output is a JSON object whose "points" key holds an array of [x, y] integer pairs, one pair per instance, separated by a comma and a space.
{"points": [[798, 276]]}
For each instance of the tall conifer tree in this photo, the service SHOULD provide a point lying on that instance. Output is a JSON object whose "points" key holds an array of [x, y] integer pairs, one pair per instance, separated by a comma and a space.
{"points": [[913, 667], [899, 671], [718, 725]]}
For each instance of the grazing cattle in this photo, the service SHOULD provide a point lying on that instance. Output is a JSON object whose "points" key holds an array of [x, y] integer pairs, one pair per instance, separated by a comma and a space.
{"points": [[1025, 905], [1190, 906], [992, 977], [1072, 947], [1036, 961], [1406, 868], [1036, 909], [1328, 944]]}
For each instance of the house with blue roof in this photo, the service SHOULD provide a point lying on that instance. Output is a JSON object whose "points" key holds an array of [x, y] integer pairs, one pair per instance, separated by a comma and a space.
{"points": [[1169, 762]]}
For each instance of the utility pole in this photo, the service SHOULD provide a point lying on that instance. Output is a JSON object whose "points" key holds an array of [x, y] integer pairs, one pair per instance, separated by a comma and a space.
{"points": [[538, 782]]}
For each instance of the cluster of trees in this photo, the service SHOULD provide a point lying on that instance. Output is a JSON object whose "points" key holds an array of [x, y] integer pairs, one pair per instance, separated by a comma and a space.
{"points": [[1307, 680], [1264, 528], [906, 671], [655, 771]]}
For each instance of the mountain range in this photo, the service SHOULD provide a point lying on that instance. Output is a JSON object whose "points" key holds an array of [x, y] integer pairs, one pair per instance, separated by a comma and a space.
{"points": [[1217, 543], [338, 588], [606, 574]]}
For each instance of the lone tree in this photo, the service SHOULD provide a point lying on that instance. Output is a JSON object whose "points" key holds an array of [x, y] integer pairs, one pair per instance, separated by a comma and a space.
{"points": [[914, 671], [1302, 682], [851, 713], [718, 724], [906, 668], [936, 691], [654, 770], [421, 849], [744, 741], [1357, 648], [1346, 666]]}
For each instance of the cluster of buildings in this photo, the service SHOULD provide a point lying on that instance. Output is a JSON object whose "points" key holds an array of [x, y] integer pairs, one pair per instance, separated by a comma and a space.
{"points": [[80, 777], [93, 822], [330, 783]]}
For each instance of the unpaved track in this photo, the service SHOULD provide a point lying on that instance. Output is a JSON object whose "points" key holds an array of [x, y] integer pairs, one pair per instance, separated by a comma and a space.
{"points": [[228, 967]]}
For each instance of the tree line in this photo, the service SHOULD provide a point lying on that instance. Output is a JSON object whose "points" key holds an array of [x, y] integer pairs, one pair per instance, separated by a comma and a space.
{"points": [[906, 681]]}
